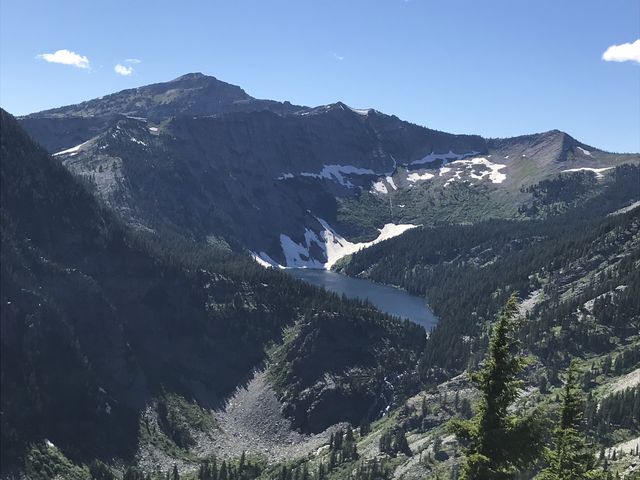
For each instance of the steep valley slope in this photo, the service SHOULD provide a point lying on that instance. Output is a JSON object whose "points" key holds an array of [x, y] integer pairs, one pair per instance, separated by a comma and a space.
{"points": [[101, 325]]}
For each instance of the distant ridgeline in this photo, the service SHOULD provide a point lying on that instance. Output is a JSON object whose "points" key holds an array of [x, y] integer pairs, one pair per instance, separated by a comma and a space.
{"points": [[301, 186]]}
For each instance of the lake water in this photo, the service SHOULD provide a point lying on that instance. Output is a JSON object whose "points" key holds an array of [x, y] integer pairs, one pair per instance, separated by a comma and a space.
{"points": [[393, 301]]}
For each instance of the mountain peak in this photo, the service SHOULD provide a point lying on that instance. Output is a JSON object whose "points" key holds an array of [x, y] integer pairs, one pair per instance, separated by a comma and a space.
{"points": [[192, 94], [339, 106], [198, 78], [190, 76], [189, 94]]}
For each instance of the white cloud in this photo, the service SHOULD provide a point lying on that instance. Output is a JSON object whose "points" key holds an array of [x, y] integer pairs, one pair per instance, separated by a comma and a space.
{"points": [[626, 52], [65, 57], [133, 60], [338, 57], [123, 70]]}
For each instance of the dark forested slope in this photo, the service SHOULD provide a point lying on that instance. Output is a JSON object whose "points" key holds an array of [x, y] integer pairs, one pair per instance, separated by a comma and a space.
{"points": [[97, 321]]}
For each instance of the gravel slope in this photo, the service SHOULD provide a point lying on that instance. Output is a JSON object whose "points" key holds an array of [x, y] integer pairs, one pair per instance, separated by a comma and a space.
{"points": [[252, 421]]}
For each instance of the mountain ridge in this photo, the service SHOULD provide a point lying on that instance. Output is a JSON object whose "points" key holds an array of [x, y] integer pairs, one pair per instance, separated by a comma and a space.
{"points": [[268, 177], [200, 80]]}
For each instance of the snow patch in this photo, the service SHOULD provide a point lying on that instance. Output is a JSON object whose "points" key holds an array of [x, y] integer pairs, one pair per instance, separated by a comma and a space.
{"points": [[140, 142], [597, 171], [361, 111], [456, 176], [71, 151], [493, 172], [416, 177], [334, 246], [297, 255], [264, 260], [380, 187], [443, 156], [391, 182], [586, 152], [626, 209], [321, 450], [153, 129]]}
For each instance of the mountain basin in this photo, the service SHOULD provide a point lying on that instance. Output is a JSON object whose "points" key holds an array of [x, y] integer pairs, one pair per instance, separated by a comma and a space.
{"points": [[391, 300]]}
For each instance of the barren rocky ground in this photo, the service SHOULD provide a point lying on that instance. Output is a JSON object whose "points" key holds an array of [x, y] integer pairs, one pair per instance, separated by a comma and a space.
{"points": [[250, 421]]}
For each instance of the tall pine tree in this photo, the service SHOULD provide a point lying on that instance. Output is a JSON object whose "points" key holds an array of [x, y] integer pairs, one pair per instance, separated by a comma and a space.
{"points": [[572, 457], [498, 443]]}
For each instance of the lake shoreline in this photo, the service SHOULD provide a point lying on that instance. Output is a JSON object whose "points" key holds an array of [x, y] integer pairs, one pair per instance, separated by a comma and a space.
{"points": [[389, 299]]}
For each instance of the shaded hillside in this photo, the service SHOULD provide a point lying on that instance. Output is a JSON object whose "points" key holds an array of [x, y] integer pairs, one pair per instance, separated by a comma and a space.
{"points": [[249, 177], [98, 323]]}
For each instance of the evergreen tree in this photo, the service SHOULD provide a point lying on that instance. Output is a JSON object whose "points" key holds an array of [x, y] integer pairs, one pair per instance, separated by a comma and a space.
{"points": [[465, 408], [401, 444], [222, 475], [572, 458], [349, 449], [333, 460], [132, 473], [365, 427], [100, 471], [385, 442], [498, 443], [242, 461], [305, 472], [437, 444], [425, 406]]}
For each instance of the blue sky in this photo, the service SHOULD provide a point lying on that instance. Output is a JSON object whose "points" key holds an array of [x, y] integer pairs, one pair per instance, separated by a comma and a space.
{"points": [[496, 68]]}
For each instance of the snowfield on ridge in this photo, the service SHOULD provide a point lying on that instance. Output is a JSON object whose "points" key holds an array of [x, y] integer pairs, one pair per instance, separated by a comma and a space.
{"points": [[334, 246]]}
